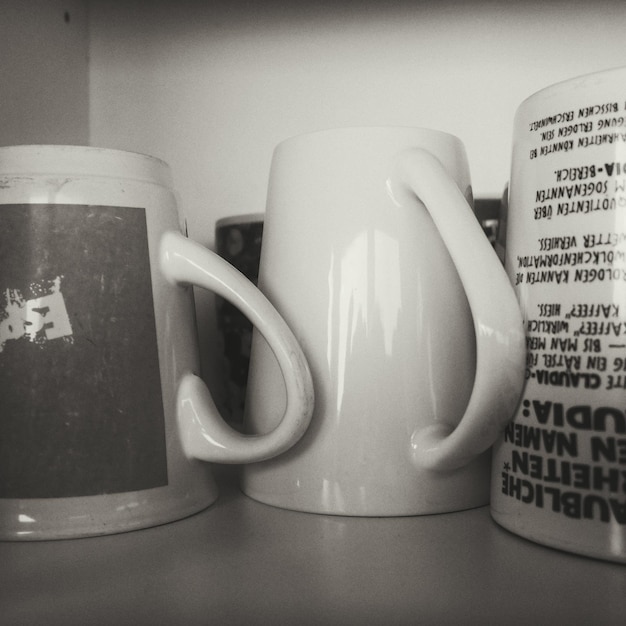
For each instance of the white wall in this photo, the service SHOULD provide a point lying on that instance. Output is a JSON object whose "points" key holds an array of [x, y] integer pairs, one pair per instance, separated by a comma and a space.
{"points": [[44, 72], [212, 87]]}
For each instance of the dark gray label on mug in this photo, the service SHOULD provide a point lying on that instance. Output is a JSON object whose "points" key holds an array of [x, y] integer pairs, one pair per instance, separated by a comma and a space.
{"points": [[81, 410]]}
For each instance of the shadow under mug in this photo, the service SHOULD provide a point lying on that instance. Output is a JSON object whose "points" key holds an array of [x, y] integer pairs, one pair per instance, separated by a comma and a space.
{"points": [[102, 405], [373, 255]]}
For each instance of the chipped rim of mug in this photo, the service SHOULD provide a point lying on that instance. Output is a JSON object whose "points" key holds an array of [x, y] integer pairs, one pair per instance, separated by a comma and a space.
{"points": [[43, 160]]}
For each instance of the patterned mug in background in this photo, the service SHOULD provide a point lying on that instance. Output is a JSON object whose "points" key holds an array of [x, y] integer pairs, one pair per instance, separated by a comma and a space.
{"points": [[238, 240], [102, 410]]}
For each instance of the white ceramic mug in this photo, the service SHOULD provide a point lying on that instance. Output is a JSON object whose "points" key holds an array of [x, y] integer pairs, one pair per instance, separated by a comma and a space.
{"points": [[559, 474], [102, 409], [373, 255]]}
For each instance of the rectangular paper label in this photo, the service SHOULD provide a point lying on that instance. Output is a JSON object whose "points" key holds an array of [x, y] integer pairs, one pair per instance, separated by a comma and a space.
{"points": [[81, 410]]}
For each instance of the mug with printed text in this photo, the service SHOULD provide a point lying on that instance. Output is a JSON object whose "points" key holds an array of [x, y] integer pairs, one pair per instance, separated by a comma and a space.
{"points": [[372, 254], [100, 399], [558, 470]]}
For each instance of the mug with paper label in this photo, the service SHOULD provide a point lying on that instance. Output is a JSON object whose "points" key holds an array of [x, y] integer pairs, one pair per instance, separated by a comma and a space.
{"points": [[558, 470], [372, 254], [100, 399]]}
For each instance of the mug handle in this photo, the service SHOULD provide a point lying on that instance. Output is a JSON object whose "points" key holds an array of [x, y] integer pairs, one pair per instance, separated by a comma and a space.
{"points": [[204, 434], [498, 323]]}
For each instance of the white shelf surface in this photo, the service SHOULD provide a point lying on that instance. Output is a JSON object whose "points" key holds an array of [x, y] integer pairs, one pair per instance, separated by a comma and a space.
{"points": [[242, 562]]}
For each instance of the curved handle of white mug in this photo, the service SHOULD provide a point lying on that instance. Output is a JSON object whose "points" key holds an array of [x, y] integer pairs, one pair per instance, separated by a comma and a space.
{"points": [[204, 434], [498, 324]]}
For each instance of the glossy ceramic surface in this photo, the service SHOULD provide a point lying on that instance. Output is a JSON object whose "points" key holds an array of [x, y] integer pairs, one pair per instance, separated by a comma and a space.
{"points": [[77, 463], [557, 472], [376, 261]]}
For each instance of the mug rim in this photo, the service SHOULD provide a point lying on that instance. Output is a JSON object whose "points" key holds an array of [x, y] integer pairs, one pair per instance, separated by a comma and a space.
{"points": [[81, 160], [337, 130], [570, 83]]}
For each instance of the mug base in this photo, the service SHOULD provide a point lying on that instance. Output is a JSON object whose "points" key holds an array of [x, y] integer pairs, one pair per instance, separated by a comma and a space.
{"points": [[560, 541], [391, 490], [354, 505], [92, 516]]}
